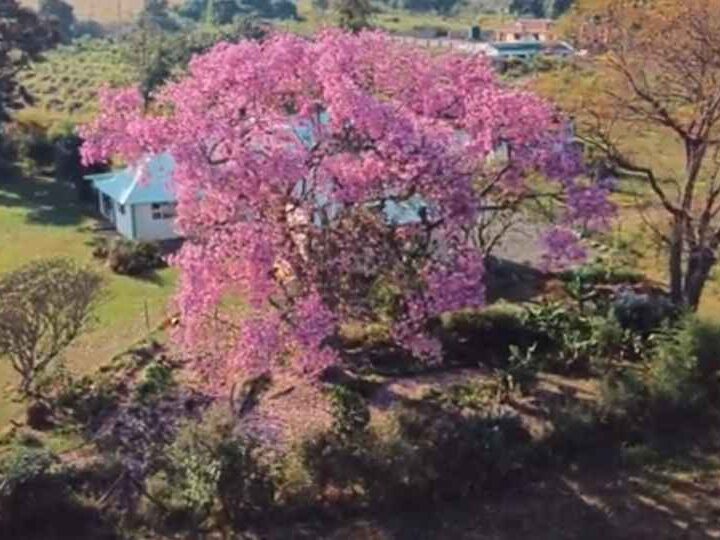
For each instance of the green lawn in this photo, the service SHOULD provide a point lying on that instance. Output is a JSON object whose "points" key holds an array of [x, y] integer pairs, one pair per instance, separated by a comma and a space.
{"points": [[42, 218]]}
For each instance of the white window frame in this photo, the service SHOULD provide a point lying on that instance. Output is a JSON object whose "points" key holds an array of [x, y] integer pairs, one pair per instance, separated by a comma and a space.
{"points": [[161, 211]]}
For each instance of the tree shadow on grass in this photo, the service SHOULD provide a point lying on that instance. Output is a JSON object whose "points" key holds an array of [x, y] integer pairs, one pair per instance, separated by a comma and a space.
{"points": [[46, 201]]}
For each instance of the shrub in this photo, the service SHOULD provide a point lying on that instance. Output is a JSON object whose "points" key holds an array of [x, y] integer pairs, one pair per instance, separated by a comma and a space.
{"points": [[486, 336], [578, 432], [212, 471], [642, 313], [350, 412], [678, 377], [28, 489], [127, 257], [87, 398], [567, 342], [157, 379], [601, 274]]}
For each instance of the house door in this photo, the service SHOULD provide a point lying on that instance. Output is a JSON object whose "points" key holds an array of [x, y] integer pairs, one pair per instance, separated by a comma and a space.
{"points": [[108, 207]]}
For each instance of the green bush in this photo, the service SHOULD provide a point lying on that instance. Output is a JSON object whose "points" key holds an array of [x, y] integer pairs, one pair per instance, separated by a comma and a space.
{"points": [[212, 471], [350, 412], [568, 342], [87, 398], [28, 488], [485, 336], [596, 273], [642, 313], [157, 379], [127, 257], [678, 377]]}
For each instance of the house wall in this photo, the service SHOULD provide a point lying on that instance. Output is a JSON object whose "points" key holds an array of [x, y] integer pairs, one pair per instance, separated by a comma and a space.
{"points": [[150, 229], [124, 221]]}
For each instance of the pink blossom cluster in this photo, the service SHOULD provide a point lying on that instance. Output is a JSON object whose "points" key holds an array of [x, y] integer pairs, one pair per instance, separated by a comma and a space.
{"points": [[292, 157]]}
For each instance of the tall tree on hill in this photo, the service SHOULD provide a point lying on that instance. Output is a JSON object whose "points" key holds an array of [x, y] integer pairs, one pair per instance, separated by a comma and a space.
{"points": [[540, 8], [353, 15], [23, 36], [61, 13], [156, 15], [661, 74]]}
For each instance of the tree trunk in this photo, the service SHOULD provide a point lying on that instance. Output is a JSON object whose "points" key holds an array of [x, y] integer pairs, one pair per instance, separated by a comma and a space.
{"points": [[677, 241], [700, 263]]}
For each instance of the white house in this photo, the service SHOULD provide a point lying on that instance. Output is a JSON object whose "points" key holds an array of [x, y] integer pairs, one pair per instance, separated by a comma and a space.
{"points": [[139, 201]]}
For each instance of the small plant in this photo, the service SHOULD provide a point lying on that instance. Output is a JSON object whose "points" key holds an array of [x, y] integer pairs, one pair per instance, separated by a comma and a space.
{"points": [[519, 374], [28, 487], [351, 414], [157, 379], [127, 257], [472, 396], [213, 471]]}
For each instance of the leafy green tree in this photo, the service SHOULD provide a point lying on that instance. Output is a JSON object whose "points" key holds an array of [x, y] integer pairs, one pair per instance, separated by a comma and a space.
{"points": [[61, 13], [156, 56], [23, 36], [156, 15], [45, 305], [540, 8], [353, 15]]}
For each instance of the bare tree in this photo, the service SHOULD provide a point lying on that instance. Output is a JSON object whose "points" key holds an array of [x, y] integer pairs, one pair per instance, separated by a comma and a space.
{"points": [[43, 307], [661, 74]]}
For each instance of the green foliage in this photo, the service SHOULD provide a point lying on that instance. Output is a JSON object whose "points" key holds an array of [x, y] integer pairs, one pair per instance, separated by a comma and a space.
{"points": [[519, 374], [211, 471], [643, 313], [353, 15], [157, 56], [24, 37], [61, 14], [468, 396], [351, 414], [86, 399], [424, 453], [127, 257], [222, 12], [569, 343], [27, 486], [678, 377], [73, 73], [578, 432], [540, 8], [485, 336], [157, 379], [24, 467]]}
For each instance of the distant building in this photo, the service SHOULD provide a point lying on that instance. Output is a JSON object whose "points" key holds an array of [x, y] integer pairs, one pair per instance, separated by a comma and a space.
{"points": [[139, 201], [526, 50], [526, 30]]}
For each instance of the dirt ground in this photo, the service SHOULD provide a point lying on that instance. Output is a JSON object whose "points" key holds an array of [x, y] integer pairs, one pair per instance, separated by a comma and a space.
{"points": [[584, 505]]}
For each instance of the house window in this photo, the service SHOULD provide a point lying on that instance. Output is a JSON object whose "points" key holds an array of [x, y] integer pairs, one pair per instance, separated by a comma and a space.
{"points": [[164, 210], [121, 209]]}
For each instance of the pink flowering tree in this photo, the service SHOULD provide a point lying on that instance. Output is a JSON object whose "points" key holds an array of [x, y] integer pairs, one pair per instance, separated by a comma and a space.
{"points": [[318, 179]]}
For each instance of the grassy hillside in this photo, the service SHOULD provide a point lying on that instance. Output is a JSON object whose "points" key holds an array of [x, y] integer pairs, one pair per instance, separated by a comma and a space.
{"points": [[66, 82]]}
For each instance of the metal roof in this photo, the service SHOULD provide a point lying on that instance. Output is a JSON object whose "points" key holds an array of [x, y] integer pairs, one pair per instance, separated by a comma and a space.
{"points": [[145, 183]]}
